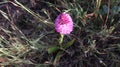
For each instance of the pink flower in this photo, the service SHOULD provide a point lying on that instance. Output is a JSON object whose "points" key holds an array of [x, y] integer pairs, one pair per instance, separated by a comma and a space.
{"points": [[64, 23]]}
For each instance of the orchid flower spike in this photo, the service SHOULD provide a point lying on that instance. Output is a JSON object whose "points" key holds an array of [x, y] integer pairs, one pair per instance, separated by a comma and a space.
{"points": [[64, 24]]}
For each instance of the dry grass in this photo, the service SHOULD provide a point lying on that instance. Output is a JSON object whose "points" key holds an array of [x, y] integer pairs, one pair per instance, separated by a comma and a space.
{"points": [[27, 32]]}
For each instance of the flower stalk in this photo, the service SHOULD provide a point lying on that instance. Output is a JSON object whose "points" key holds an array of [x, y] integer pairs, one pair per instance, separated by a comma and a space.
{"points": [[61, 39]]}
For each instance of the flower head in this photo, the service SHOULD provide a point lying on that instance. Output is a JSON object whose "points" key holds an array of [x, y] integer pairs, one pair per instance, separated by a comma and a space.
{"points": [[64, 23]]}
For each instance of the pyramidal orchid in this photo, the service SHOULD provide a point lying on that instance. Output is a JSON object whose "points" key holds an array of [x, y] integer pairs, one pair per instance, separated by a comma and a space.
{"points": [[64, 24]]}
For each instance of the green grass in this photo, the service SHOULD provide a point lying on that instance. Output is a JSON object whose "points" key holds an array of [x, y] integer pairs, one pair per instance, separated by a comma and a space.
{"points": [[27, 34]]}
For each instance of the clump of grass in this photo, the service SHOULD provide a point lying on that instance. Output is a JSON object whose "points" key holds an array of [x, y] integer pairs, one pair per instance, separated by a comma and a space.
{"points": [[96, 33]]}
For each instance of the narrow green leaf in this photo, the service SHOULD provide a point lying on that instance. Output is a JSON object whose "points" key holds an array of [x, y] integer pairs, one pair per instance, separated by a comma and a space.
{"points": [[53, 49], [68, 44], [57, 58]]}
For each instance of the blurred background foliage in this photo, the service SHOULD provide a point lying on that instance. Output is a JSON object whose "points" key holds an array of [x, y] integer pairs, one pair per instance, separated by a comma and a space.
{"points": [[27, 31]]}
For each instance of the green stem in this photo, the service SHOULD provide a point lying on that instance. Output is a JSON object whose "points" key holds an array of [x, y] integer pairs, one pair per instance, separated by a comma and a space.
{"points": [[59, 54], [61, 39]]}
